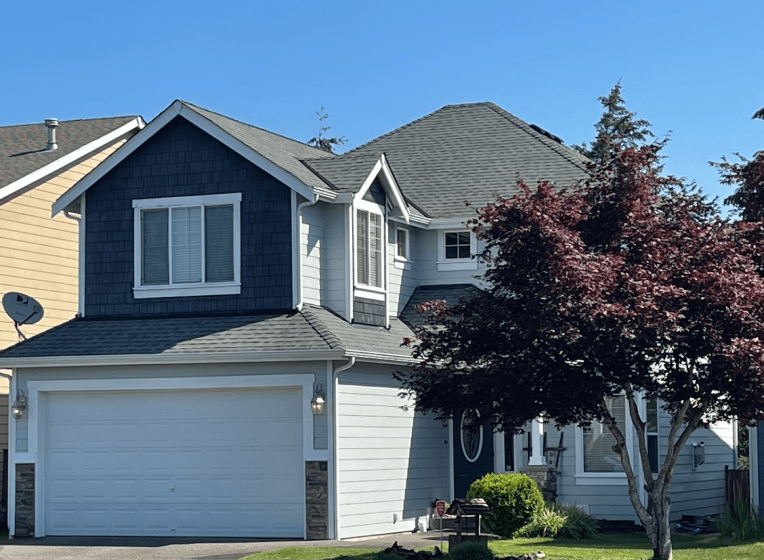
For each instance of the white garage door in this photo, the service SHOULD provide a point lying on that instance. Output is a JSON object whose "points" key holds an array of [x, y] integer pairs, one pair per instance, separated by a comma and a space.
{"points": [[182, 463]]}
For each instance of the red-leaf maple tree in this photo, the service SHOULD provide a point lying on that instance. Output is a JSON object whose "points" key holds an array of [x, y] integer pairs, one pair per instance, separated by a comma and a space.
{"points": [[628, 284]]}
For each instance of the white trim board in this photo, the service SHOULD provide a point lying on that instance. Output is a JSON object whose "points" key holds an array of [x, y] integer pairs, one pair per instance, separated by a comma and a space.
{"points": [[178, 108], [72, 158]]}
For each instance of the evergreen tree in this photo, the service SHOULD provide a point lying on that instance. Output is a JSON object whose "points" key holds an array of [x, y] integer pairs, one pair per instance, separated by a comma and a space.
{"points": [[617, 126]]}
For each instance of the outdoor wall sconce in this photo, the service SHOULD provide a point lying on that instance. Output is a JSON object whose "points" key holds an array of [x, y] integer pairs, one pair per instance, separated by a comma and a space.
{"points": [[19, 405], [318, 402], [698, 454]]}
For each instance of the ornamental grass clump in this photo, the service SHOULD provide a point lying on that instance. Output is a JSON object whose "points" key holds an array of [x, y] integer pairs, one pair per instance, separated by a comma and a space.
{"points": [[514, 500], [555, 520]]}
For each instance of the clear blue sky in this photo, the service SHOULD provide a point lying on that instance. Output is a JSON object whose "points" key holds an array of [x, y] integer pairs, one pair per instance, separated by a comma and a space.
{"points": [[695, 68]]}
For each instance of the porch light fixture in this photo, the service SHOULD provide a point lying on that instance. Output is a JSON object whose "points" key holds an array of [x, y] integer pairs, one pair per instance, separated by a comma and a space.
{"points": [[318, 402], [19, 405]]}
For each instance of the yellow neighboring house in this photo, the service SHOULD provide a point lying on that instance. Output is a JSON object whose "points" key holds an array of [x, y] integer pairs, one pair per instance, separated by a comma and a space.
{"points": [[38, 253]]}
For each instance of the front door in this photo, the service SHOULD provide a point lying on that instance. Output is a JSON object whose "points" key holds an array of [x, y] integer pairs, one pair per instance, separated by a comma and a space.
{"points": [[473, 451]]}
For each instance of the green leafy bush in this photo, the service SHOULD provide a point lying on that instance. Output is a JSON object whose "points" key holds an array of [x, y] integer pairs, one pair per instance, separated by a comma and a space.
{"points": [[554, 520], [741, 523], [513, 498], [470, 551]]}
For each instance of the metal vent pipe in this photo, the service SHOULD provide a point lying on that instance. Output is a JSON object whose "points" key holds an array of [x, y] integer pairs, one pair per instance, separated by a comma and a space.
{"points": [[52, 125]]}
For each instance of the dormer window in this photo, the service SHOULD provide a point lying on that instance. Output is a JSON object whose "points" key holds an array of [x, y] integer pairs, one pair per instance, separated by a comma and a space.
{"points": [[187, 246], [369, 266]]}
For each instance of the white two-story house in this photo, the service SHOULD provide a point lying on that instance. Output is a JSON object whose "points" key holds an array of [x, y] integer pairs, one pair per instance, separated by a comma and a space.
{"points": [[243, 301]]}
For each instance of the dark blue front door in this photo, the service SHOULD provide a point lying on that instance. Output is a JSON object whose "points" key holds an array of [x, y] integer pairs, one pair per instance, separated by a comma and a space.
{"points": [[473, 452]]}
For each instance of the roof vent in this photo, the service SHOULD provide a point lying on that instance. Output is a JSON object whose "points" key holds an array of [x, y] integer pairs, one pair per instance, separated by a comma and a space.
{"points": [[546, 133], [52, 125]]}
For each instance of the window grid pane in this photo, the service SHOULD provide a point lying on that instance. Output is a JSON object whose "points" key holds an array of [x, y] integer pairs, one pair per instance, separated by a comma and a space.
{"points": [[375, 252], [154, 248], [457, 245], [362, 247], [187, 245], [218, 237], [599, 441], [401, 243]]}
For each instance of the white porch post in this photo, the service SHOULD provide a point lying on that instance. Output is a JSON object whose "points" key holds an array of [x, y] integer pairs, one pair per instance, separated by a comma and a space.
{"points": [[537, 457]]}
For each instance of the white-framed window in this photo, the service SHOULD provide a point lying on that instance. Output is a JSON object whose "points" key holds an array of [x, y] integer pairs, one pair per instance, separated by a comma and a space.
{"points": [[595, 457], [456, 249], [370, 262], [402, 251], [187, 246]]}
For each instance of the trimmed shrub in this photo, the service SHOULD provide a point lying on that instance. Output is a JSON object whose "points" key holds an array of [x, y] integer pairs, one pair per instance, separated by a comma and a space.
{"points": [[513, 498], [470, 551]]}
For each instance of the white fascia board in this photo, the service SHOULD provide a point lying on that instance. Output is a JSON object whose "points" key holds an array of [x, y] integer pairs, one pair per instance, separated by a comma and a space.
{"points": [[382, 168], [176, 109], [448, 223], [195, 358], [245, 151], [379, 358], [72, 158]]}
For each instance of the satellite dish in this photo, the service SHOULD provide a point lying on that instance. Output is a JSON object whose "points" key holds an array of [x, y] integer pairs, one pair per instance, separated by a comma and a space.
{"points": [[23, 309]]}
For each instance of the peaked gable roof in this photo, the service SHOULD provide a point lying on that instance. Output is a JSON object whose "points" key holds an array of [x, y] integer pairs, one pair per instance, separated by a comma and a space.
{"points": [[275, 154], [25, 163], [458, 153]]}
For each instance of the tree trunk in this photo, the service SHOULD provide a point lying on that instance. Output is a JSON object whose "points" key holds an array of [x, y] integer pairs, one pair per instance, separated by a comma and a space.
{"points": [[661, 534]]}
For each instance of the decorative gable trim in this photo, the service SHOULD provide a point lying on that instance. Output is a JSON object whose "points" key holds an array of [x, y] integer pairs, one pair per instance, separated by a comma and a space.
{"points": [[178, 108], [54, 168], [382, 170]]}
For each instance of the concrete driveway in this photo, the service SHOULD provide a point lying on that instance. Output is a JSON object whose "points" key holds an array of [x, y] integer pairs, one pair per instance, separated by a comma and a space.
{"points": [[135, 548]]}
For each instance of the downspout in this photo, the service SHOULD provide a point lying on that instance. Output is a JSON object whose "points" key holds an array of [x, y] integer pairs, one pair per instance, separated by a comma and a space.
{"points": [[299, 251], [11, 479], [335, 441], [80, 260]]}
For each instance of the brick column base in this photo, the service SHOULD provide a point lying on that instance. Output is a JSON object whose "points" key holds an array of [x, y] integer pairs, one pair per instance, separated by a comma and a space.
{"points": [[24, 500], [317, 500], [546, 478]]}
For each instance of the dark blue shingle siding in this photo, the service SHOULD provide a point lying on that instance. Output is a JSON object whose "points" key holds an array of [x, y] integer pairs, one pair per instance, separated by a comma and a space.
{"points": [[183, 160], [369, 312]]}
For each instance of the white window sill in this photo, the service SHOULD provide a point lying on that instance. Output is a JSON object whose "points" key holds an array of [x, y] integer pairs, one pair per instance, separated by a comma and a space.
{"points": [[457, 264], [401, 263], [601, 479], [186, 291], [370, 293]]}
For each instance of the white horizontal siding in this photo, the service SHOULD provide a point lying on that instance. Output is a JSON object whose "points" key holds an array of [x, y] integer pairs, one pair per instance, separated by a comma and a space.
{"points": [[425, 254], [392, 463]]}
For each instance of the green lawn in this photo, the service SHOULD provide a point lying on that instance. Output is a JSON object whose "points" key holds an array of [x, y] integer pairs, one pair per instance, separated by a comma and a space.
{"points": [[609, 546]]}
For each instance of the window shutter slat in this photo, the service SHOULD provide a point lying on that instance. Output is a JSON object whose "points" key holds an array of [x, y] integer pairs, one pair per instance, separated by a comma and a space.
{"points": [[599, 441], [186, 245]]}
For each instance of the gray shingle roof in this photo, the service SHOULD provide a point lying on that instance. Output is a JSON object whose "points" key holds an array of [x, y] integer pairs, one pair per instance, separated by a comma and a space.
{"points": [[284, 152], [313, 329], [22, 147], [451, 294], [460, 152]]}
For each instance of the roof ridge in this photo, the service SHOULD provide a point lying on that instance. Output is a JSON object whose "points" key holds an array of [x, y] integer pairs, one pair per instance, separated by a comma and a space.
{"points": [[556, 146], [411, 123], [304, 144], [323, 331], [88, 119]]}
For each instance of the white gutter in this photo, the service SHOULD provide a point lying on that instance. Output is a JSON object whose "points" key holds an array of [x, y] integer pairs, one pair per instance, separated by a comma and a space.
{"points": [[175, 358], [300, 296]]}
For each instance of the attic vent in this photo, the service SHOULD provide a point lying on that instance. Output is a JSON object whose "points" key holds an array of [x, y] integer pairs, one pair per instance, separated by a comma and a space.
{"points": [[52, 125], [546, 133]]}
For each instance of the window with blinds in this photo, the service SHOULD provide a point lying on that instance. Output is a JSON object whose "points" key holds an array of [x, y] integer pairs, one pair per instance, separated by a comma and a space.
{"points": [[369, 262], [599, 456], [187, 242]]}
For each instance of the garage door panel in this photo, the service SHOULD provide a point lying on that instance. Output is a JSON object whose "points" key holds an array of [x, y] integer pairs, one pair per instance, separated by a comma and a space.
{"points": [[155, 463]]}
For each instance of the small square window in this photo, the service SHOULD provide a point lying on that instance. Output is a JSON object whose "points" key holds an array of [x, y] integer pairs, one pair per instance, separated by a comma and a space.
{"points": [[457, 244]]}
